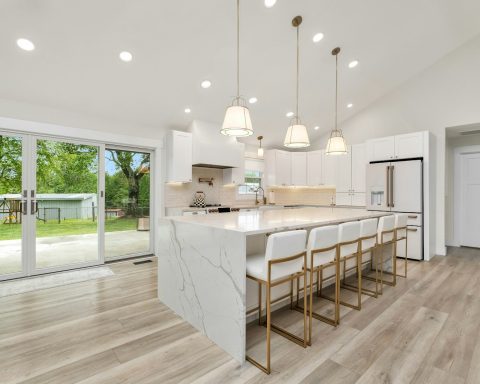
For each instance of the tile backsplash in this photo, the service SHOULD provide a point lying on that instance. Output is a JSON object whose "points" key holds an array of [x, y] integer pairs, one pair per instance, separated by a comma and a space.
{"points": [[181, 195]]}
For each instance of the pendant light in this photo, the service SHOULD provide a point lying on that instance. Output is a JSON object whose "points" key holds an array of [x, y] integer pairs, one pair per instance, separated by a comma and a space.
{"points": [[336, 144], [237, 117], [297, 135], [260, 149]]}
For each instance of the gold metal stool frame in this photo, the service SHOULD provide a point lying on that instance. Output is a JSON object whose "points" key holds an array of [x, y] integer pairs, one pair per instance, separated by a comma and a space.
{"points": [[406, 246], [272, 327]]}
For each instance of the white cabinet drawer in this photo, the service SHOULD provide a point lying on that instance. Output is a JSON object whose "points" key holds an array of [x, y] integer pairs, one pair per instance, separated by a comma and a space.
{"points": [[414, 244]]}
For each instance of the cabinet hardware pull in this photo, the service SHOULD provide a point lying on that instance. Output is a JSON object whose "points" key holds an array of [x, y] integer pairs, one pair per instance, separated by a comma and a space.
{"points": [[412, 216], [412, 229]]}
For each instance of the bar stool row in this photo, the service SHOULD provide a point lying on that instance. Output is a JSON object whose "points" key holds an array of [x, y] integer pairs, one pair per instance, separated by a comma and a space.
{"points": [[346, 248]]}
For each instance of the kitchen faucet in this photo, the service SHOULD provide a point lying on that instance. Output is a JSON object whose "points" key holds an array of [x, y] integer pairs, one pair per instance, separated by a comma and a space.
{"points": [[256, 195]]}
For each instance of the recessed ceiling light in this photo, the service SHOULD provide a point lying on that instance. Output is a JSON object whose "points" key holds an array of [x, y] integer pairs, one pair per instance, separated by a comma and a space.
{"points": [[353, 64], [188, 110], [25, 44], [316, 128], [350, 105], [206, 84], [252, 100], [317, 37], [290, 114], [270, 3], [125, 56]]}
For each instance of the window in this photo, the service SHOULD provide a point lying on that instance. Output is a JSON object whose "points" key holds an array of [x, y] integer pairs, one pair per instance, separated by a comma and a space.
{"points": [[253, 180]]}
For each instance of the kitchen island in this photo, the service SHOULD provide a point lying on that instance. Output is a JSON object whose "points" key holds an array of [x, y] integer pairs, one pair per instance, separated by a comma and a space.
{"points": [[202, 264]]}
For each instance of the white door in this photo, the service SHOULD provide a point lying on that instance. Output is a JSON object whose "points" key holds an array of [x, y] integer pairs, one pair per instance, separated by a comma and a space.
{"points": [[299, 168], [407, 186], [470, 203], [377, 187]]}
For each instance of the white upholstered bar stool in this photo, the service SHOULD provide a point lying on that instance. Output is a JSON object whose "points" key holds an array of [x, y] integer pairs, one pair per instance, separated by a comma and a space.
{"points": [[386, 237], [282, 262], [349, 255], [401, 232], [368, 255], [322, 254]]}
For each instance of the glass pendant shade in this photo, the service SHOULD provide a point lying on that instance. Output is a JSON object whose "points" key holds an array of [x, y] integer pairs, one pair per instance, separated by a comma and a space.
{"points": [[297, 135], [237, 121], [336, 144], [260, 152]]}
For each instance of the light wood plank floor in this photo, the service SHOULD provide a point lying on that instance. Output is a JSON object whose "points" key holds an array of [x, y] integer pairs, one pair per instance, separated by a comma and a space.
{"points": [[114, 330]]}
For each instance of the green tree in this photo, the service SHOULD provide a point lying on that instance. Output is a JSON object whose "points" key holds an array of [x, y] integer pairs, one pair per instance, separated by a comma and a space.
{"points": [[10, 165]]}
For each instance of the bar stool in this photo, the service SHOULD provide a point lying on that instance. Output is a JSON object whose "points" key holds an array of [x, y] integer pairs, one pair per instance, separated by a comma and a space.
{"points": [[348, 250], [322, 253], [386, 236], [401, 230], [368, 247], [283, 261]]}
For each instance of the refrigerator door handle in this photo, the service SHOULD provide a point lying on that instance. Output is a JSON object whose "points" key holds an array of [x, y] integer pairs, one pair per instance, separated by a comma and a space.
{"points": [[387, 185], [392, 204]]}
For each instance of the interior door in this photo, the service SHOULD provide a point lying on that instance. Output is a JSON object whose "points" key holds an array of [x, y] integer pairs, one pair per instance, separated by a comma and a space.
{"points": [[13, 196], [407, 186], [470, 218], [377, 186]]}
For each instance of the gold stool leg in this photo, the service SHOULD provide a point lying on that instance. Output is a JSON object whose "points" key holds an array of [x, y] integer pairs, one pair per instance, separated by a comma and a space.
{"points": [[359, 279], [269, 320], [310, 306], [259, 303]]}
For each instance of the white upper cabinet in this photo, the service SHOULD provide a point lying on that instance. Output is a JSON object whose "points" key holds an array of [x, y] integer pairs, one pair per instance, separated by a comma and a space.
{"points": [[315, 168], [396, 147], [343, 171], [409, 145], [278, 168], [179, 156], [299, 168], [234, 176], [381, 149], [359, 168]]}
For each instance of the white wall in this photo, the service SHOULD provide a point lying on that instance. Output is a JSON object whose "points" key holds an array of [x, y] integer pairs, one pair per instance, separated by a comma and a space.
{"points": [[446, 94]]}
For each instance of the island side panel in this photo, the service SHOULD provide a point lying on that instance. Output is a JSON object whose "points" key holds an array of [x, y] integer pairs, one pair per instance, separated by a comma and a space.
{"points": [[201, 276]]}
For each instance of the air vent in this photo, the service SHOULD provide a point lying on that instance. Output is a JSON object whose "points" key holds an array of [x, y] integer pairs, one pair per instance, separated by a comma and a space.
{"points": [[467, 133]]}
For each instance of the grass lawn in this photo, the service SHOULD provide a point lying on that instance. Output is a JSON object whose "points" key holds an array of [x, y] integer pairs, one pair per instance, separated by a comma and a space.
{"points": [[68, 227]]}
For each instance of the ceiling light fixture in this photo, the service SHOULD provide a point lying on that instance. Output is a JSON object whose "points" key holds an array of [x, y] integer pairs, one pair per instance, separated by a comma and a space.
{"points": [[188, 110], [353, 64], [349, 105], [25, 44], [270, 3], [297, 135], [260, 149], [237, 120], [206, 84], [336, 143], [317, 37], [290, 114], [252, 100], [125, 56], [317, 128]]}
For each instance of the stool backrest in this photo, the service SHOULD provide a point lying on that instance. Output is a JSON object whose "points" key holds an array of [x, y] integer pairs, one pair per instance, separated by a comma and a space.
{"points": [[348, 232], [282, 245], [368, 229], [401, 220], [386, 224], [321, 238]]}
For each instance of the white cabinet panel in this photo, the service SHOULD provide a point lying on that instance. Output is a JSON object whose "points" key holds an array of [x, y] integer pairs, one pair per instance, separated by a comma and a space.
{"points": [[283, 168], [359, 199], [381, 149], [299, 168], [414, 244], [179, 156], [234, 176], [343, 171], [359, 168], [343, 198], [330, 169], [315, 168], [409, 145]]}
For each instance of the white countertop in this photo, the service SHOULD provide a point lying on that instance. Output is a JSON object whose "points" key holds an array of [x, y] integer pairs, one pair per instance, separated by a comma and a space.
{"points": [[256, 222]]}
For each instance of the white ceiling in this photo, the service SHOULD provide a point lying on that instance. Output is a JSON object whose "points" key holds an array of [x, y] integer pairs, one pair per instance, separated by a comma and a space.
{"points": [[178, 43]]}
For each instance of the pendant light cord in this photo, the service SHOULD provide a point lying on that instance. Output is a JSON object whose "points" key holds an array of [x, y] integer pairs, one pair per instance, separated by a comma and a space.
{"points": [[298, 65], [336, 90], [238, 48]]}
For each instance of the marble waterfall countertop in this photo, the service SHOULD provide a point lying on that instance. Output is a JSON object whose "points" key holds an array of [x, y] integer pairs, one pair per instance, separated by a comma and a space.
{"points": [[256, 222]]}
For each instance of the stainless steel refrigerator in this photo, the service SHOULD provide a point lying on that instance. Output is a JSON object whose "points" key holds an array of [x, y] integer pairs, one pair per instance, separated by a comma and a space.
{"points": [[397, 186]]}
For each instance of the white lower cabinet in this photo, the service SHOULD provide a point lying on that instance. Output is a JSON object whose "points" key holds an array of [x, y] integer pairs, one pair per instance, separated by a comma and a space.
{"points": [[359, 199], [343, 198], [414, 244]]}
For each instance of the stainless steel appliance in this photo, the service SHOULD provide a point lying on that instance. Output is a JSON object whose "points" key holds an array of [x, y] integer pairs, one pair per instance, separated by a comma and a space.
{"points": [[397, 186]]}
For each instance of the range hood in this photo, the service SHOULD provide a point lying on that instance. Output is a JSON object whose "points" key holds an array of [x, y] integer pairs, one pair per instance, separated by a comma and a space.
{"points": [[211, 149]]}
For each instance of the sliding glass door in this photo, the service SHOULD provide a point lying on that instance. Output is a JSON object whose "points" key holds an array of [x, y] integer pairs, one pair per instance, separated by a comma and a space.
{"points": [[127, 203]]}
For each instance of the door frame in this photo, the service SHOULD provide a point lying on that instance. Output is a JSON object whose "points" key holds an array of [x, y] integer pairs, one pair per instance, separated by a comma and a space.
{"points": [[458, 190], [153, 166]]}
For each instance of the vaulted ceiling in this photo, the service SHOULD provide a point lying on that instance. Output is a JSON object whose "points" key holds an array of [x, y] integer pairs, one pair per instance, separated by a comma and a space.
{"points": [[176, 44]]}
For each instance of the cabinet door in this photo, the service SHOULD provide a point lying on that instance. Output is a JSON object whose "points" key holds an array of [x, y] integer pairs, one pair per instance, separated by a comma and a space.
{"points": [[299, 168], [233, 176], [381, 149], [283, 168], [359, 199], [330, 169], [359, 168], [315, 168], [179, 156], [343, 198], [343, 171], [409, 145]]}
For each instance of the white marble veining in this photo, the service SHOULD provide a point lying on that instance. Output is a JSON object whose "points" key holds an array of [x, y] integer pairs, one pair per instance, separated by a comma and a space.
{"points": [[202, 264], [256, 222]]}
